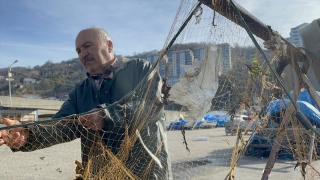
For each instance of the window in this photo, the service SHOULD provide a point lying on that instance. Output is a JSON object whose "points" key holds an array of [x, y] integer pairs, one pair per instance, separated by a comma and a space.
{"points": [[169, 57], [188, 58], [178, 64], [196, 54]]}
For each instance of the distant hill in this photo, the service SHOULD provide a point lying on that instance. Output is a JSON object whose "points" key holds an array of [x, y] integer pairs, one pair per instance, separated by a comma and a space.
{"points": [[51, 79], [55, 80]]}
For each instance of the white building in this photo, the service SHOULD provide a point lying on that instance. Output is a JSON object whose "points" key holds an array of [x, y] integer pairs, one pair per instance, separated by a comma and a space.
{"points": [[295, 37], [175, 58], [225, 55], [29, 81]]}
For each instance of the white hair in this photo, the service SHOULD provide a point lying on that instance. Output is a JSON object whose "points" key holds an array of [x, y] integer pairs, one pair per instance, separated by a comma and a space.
{"points": [[103, 34]]}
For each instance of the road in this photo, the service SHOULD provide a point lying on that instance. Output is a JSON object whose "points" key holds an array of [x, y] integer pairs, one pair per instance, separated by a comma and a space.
{"points": [[207, 160]]}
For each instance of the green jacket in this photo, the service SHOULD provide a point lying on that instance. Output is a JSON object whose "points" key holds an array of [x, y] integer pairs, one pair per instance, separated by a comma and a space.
{"points": [[143, 107]]}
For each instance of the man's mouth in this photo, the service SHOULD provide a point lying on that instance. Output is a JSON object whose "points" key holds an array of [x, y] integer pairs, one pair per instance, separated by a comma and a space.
{"points": [[88, 62], [87, 59]]}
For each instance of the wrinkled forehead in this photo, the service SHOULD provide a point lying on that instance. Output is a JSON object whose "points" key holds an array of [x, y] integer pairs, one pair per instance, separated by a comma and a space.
{"points": [[87, 35]]}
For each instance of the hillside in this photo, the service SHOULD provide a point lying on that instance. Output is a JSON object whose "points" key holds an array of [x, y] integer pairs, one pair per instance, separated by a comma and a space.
{"points": [[49, 80], [55, 80]]}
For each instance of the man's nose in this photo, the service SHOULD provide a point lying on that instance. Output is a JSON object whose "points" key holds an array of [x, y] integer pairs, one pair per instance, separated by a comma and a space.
{"points": [[83, 53]]}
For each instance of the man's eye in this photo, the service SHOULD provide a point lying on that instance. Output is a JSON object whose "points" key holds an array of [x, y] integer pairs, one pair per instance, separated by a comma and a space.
{"points": [[86, 46], [78, 51]]}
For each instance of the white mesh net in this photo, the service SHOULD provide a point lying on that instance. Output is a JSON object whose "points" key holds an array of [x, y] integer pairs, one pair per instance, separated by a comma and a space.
{"points": [[213, 66]]}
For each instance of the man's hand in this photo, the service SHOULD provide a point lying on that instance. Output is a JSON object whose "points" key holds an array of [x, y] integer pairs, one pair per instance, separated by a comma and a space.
{"points": [[15, 137], [93, 120]]}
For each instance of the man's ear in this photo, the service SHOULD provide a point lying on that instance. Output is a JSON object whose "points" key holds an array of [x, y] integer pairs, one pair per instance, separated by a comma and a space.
{"points": [[110, 46]]}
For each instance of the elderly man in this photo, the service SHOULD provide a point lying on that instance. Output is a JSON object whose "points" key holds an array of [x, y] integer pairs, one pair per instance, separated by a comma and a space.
{"points": [[130, 128]]}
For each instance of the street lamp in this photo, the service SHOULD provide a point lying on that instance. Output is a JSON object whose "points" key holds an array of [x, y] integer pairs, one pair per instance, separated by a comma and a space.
{"points": [[9, 79]]}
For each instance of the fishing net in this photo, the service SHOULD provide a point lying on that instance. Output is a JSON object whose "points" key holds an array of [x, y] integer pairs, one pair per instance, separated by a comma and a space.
{"points": [[247, 89], [236, 119]]}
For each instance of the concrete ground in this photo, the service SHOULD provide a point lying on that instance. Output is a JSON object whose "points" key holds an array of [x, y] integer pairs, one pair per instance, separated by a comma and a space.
{"points": [[207, 160]]}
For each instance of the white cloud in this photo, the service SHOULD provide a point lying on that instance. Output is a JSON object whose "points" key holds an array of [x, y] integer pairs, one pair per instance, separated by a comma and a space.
{"points": [[282, 15]]}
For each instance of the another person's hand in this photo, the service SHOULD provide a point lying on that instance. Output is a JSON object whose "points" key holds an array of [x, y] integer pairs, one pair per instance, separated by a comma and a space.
{"points": [[14, 138], [94, 120]]}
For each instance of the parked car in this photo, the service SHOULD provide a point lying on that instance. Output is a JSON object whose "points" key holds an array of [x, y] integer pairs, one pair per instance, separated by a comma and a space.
{"points": [[239, 120], [204, 123], [221, 116], [208, 121], [189, 124]]}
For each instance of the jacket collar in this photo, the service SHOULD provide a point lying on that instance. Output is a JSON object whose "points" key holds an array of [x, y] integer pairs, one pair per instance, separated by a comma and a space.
{"points": [[115, 66]]}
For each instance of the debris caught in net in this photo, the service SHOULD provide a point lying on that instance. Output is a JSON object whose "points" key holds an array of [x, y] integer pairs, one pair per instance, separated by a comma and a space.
{"points": [[213, 70]]}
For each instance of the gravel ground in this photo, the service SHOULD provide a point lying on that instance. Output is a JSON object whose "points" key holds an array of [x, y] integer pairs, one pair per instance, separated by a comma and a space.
{"points": [[209, 158]]}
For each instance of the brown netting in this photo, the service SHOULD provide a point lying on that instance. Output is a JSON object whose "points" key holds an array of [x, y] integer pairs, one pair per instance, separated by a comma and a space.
{"points": [[256, 111]]}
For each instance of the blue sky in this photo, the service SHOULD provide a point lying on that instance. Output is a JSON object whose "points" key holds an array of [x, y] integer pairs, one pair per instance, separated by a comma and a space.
{"points": [[34, 31]]}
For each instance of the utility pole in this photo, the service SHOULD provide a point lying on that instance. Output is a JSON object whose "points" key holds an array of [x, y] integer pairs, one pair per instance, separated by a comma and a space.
{"points": [[9, 79]]}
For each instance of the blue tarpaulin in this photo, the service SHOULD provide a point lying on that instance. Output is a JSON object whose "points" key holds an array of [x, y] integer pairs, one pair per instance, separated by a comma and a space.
{"points": [[265, 152], [220, 116], [208, 118], [176, 125], [305, 104], [305, 96]]}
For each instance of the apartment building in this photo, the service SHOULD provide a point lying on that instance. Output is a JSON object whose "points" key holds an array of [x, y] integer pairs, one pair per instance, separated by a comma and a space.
{"points": [[171, 64]]}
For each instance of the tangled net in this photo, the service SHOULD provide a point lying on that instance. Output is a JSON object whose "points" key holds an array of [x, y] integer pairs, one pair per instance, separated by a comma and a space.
{"points": [[246, 87]]}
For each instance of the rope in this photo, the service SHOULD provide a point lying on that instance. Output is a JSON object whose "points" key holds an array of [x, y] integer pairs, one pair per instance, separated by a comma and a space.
{"points": [[301, 117], [264, 55], [163, 52]]}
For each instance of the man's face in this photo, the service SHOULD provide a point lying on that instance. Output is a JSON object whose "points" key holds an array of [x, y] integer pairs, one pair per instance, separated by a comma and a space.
{"points": [[94, 56]]}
